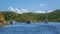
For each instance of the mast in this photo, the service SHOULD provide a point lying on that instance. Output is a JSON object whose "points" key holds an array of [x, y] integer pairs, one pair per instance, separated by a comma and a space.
{"points": [[46, 19]]}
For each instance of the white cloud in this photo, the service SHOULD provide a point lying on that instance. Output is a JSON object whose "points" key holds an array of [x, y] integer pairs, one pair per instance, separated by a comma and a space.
{"points": [[11, 9], [15, 10], [25, 10], [39, 11], [50, 11], [18, 11], [21, 11], [41, 4]]}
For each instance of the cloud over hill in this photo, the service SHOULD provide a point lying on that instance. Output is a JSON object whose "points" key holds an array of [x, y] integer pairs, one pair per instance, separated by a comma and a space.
{"points": [[20, 11]]}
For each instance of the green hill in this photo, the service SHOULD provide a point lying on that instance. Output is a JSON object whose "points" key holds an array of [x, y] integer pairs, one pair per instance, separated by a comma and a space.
{"points": [[39, 17]]}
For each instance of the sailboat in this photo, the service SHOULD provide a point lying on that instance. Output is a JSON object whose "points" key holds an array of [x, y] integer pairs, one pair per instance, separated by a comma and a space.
{"points": [[46, 20]]}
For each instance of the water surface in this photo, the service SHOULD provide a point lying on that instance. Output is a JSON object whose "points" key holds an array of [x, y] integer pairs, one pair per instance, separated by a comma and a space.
{"points": [[34, 28]]}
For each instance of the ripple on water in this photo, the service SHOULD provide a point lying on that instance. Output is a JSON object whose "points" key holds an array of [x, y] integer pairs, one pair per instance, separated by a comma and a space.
{"points": [[38, 29]]}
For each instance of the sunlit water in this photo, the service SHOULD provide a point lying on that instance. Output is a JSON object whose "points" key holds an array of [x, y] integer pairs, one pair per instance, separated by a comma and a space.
{"points": [[34, 28]]}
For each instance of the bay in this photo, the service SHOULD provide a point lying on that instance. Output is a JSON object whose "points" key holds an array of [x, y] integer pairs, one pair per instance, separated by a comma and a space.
{"points": [[33, 28]]}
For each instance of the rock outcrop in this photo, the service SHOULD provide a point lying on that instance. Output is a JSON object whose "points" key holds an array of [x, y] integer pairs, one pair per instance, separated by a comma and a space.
{"points": [[2, 20]]}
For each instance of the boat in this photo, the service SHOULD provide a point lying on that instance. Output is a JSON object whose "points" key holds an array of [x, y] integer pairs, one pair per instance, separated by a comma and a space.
{"points": [[46, 21], [11, 22], [30, 21]]}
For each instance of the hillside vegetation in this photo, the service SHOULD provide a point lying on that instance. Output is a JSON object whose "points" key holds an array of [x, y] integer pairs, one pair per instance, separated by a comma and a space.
{"points": [[39, 17]]}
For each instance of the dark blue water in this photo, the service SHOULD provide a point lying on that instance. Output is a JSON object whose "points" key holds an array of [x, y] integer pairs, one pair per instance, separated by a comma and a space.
{"points": [[34, 28]]}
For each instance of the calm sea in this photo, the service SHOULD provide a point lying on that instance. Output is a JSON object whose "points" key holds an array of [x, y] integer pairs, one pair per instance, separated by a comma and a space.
{"points": [[33, 28]]}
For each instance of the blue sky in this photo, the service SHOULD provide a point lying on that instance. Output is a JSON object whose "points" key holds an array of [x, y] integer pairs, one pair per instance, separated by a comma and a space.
{"points": [[30, 4]]}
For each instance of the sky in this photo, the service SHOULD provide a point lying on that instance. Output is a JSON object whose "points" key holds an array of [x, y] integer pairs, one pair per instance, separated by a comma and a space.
{"points": [[30, 5]]}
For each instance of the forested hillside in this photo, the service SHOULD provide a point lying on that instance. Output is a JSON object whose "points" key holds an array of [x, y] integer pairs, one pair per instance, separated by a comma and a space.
{"points": [[39, 17]]}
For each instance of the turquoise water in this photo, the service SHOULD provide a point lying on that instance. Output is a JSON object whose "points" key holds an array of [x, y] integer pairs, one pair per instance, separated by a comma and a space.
{"points": [[34, 28]]}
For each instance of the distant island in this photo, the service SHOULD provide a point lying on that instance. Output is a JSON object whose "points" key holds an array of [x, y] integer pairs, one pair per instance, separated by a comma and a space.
{"points": [[53, 16]]}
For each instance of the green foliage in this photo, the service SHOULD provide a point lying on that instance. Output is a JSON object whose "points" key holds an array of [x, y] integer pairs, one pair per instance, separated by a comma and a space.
{"points": [[39, 17]]}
